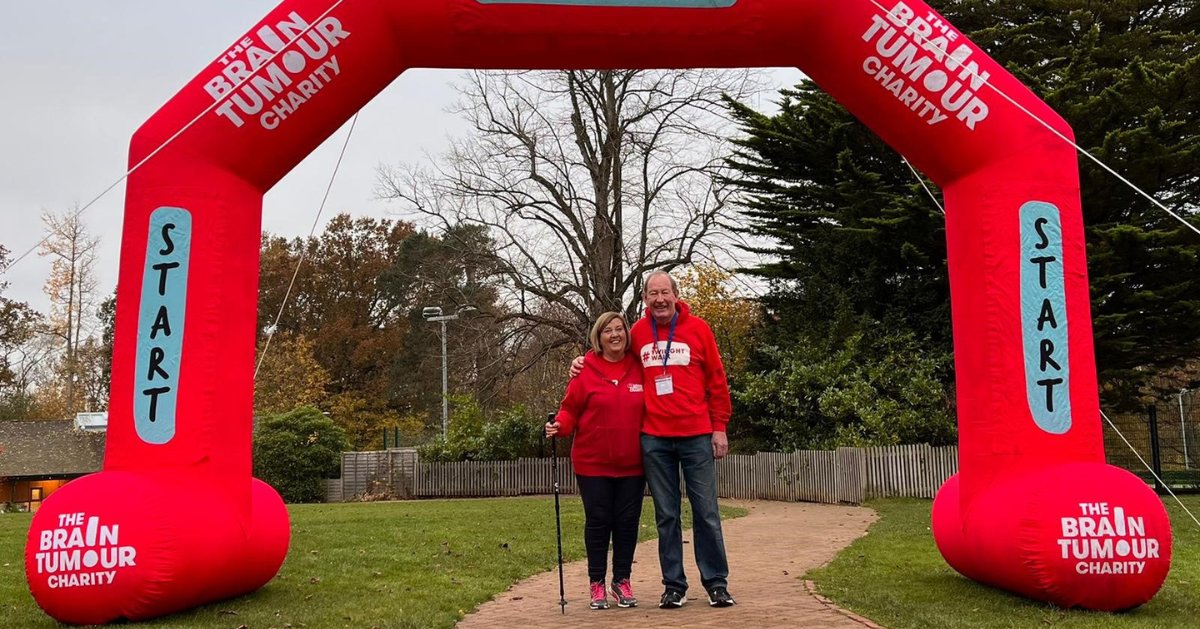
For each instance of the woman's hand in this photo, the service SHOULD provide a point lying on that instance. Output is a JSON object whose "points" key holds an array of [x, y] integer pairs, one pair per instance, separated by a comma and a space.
{"points": [[576, 366], [551, 429]]}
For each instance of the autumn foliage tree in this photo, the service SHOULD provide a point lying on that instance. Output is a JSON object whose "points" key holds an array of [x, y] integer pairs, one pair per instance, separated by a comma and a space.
{"points": [[337, 311], [353, 340], [713, 295], [288, 376], [338, 301]]}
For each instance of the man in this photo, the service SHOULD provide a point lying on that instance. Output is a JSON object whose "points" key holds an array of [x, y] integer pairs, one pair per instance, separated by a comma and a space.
{"points": [[683, 429]]}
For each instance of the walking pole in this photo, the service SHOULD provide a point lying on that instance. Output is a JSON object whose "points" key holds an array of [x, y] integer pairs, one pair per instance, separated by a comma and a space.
{"points": [[562, 590]]}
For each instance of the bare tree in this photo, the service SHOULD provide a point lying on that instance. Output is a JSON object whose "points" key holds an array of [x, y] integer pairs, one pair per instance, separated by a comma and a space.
{"points": [[587, 180], [71, 288]]}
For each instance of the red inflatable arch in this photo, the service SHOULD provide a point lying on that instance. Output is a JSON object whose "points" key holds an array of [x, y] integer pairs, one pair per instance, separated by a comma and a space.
{"points": [[175, 519]]}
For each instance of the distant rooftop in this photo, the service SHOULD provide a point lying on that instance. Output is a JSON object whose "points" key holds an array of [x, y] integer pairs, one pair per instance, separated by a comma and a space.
{"points": [[49, 448]]}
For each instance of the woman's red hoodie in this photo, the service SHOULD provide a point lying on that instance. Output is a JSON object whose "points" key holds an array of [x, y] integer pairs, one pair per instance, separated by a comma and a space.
{"points": [[603, 407]]}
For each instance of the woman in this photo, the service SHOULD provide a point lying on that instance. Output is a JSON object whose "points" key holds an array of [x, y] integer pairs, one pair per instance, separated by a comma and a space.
{"points": [[603, 408]]}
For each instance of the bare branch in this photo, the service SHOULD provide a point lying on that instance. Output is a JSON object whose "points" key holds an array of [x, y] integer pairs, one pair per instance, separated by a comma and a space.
{"points": [[648, 147]]}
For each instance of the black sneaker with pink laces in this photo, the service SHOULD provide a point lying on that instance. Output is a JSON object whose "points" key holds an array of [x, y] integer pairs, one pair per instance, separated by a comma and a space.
{"points": [[623, 592], [599, 596]]}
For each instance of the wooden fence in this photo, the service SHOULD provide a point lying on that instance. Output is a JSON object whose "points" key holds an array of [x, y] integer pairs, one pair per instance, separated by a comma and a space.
{"points": [[845, 475], [908, 471], [386, 473]]}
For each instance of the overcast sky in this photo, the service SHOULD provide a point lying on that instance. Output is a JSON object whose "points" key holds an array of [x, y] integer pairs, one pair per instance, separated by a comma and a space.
{"points": [[82, 75]]}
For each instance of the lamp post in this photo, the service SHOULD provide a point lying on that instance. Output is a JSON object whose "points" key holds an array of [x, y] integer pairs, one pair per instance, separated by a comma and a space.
{"points": [[433, 314]]}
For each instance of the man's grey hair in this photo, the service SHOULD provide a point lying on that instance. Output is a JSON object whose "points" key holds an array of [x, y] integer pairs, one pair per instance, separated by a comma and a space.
{"points": [[654, 274]]}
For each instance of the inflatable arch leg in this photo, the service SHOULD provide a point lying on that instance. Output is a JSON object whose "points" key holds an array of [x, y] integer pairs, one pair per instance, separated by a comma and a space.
{"points": [[175, 519]]}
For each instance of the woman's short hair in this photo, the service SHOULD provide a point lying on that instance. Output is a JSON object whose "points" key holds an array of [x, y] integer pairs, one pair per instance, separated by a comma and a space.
{"points": [[602, 322]]}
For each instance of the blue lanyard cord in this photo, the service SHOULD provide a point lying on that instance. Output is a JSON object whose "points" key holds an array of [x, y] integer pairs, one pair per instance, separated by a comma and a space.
{"points": [[670, 337]]}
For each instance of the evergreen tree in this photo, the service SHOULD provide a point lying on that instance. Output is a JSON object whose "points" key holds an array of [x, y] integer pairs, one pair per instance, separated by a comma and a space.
{"points": [[107, 314], [856, 242], [860, 244], [1126, 76]]}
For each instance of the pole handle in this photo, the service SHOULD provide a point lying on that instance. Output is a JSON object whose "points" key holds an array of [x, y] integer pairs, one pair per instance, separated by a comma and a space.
{"points": [[553, 440]]}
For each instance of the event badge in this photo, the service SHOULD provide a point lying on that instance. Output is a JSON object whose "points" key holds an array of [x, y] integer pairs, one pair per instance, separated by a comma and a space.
{"points": [[663, 385]]}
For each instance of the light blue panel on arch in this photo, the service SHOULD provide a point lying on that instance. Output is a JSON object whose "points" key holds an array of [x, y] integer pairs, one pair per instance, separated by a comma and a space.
{"points": [[669, 4], [1044, 317], [161, 323]]}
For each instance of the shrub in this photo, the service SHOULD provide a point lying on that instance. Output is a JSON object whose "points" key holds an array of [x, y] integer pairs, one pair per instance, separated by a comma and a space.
{"points": [[511, 434], [876, 390], [294, 451]]}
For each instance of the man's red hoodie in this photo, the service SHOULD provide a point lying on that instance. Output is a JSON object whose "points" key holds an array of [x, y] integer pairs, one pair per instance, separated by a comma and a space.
{"points": [[700, 402], [603, 406]]}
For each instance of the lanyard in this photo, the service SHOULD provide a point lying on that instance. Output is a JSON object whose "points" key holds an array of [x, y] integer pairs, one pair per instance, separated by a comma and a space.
{"points": [[670, 337]]}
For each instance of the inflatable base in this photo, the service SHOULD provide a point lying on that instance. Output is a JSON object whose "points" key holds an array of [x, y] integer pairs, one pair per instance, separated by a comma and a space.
{"points": [[1085, 535], [137, 545]]}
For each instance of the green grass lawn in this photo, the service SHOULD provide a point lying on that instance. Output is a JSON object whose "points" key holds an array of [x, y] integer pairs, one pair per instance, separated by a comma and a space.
{"points": [[382, 564], [896, 577]]}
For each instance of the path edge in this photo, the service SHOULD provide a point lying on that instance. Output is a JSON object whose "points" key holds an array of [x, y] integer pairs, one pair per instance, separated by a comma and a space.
{"points": [[812, 591]]}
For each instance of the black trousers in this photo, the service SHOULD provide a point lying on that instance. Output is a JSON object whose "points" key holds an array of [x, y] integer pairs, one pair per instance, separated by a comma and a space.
{"points": [[612, 508]]}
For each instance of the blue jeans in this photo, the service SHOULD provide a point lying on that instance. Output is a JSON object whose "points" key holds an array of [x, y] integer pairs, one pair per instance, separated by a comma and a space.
{"points": [[663, 458]]}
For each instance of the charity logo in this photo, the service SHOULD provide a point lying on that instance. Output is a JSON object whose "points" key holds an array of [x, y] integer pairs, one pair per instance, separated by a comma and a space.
{"points": [[1106, 540], [923, 63], [272, 74], [81, 552]]}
